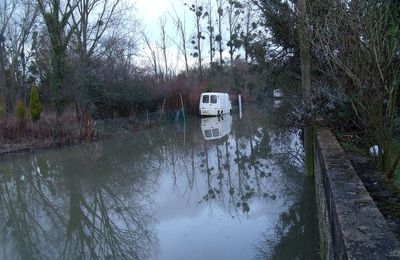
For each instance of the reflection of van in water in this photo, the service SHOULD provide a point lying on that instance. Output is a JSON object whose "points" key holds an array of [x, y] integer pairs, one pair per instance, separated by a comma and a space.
{"points": [[216, 127], [214, 103]]}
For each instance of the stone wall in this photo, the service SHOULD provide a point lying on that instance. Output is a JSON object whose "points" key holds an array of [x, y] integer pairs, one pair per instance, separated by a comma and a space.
{"points": [[351, 226]]}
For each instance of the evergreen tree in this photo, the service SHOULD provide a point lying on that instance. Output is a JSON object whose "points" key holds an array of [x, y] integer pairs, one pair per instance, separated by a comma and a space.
{"points": [[34, 104]]}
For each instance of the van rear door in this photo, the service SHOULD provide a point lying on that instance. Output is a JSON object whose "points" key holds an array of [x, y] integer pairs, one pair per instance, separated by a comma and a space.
{"points": [[213, 99], [210, 104], [205, 99]]}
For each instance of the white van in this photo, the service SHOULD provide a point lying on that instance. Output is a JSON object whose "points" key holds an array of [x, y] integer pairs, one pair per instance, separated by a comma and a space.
{"points": [[214, 104], [216, 127]]}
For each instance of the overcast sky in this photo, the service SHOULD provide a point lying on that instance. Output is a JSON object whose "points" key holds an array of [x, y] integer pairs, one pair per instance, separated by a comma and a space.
{"points": [[149, 13], [151, 10]]}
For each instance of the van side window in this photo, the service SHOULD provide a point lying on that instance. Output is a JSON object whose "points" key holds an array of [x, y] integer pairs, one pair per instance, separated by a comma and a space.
{"points": [[213, 99], [205, 98]]}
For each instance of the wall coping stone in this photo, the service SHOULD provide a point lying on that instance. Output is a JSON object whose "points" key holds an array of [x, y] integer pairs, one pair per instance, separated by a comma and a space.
{"points": [[365, 233]]}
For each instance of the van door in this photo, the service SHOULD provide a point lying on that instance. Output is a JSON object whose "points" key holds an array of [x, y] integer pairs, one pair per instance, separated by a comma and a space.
{"points": [[214, 102], [204, 102], [213, 99], [205, 99], [210, 104]]}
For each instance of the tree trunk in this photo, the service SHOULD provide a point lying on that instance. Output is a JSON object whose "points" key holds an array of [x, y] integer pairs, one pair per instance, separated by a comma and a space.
{"points": [[304, 53], [306, 85]]}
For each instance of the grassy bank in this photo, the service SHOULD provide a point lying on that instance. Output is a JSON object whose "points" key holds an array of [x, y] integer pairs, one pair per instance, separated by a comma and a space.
{"points": [[49, 131], [65, 129]]}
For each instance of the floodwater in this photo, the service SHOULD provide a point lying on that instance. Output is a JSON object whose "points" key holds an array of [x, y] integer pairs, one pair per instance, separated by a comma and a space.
{"points": [[201, 189]]}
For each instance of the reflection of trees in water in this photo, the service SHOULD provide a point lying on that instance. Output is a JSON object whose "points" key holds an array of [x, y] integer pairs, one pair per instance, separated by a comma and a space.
{"points": [[234, 169], [258, 161], [93, 201], [232, 176], [254, 161], [84, 203], [289, 238]]}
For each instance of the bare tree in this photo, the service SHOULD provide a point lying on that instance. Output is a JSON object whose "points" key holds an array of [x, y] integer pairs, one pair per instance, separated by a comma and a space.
{"points": [[18, 26], [234, 10], [27, 23], [98, 26], [361, 51], [249, 27], [163, 35], [180, 25], [57, 19], [198, 11], [7, 9], [91, 21], [210, 30], [218, 37], [154, 56]]}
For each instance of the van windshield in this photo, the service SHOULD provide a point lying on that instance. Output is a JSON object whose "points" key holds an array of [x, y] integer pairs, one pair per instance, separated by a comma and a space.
{"points": [[213, 99], [205, 98]]}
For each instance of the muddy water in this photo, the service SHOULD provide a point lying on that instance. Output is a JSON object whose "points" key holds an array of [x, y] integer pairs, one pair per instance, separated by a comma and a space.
{"points": [[208, 188]]}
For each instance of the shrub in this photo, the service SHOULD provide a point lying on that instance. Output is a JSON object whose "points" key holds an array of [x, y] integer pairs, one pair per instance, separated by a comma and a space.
{"points": [[210, 87], [20, 111], [34, 104], [2, 108]]}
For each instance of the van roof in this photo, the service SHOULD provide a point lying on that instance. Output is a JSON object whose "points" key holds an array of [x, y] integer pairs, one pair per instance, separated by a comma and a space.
{"points": [[214, 93]]}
